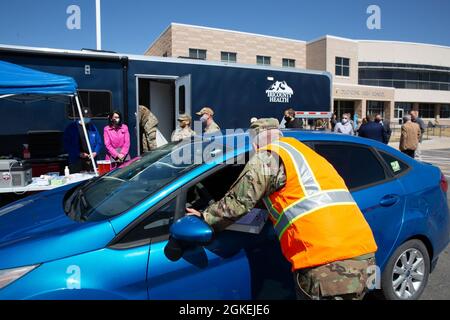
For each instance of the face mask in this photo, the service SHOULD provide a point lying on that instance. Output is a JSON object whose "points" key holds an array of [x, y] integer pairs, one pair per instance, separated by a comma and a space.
{"points": [[86, 120], [344, 121], [287, 118], [117, 120], [204, 118]]}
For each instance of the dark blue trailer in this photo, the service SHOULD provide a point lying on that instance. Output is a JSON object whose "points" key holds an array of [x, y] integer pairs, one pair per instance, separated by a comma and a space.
{"points": [[110, 81]]}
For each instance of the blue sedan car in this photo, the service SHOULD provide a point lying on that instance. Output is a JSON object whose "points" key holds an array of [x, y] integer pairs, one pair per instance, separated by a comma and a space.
{"points": [[113, 237]]}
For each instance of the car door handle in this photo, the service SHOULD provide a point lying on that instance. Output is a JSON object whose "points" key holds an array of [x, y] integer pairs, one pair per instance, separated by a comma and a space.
{"points": [[389, 200]]}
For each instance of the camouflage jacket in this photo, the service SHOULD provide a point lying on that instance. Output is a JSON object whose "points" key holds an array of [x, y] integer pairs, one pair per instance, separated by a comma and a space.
{"points": [[181, 134], [263, 175], [148, 120], [213, 127]]}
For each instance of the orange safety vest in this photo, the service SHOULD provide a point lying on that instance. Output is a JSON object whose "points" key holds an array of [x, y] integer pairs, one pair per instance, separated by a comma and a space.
{"points": [[314, 215]]}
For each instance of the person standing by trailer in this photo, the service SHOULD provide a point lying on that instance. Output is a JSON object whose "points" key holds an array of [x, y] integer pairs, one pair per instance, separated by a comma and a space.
{"points": [[184, 131], [355, 122], [148, 125], [320, 125], [207, 119], [345, 126], [333, 122], [76, 146], [291, 121], [117, 138]]}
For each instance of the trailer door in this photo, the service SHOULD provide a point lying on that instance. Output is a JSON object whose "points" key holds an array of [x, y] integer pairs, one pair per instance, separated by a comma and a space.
{"points": [[182, 96]]}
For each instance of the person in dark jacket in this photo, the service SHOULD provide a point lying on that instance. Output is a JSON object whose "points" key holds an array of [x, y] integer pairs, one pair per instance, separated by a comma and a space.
{"points": [[291, 121], [386, 126], [333, 122], [75, 144], [373, 130]]}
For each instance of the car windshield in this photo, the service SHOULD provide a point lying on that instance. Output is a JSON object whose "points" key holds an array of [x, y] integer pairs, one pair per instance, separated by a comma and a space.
{"points": [[118, 191]]}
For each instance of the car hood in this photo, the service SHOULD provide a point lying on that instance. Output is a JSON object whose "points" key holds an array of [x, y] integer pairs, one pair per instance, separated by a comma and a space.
{"points": [[36, 229]]}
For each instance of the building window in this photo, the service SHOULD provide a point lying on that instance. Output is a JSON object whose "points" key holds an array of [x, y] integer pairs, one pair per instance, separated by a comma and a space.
{"points": [[342, 67], [228, 56], [289, 63], [197, 54], [445, 111], [182, 99], [264, 60], [344, 106], [426, 110], [404, 76], [99, 102], [401, 109], [375, 107]]}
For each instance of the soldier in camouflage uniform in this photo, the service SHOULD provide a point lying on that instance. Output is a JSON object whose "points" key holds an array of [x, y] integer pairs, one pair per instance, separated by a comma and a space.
{"points": [[148, 125], [263, 175], [323, 282], [206, 117], [184, 131]]}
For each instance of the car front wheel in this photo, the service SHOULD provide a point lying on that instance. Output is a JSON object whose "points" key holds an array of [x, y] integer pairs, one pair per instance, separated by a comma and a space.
{"points": [[406, 274]]}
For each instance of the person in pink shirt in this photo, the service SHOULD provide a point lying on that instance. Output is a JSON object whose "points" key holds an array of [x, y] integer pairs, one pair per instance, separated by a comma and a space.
{"points": [[117, 139]]}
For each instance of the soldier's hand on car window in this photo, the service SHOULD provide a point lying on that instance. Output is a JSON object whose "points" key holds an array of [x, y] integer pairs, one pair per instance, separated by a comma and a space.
{"points": [[193, 212]]}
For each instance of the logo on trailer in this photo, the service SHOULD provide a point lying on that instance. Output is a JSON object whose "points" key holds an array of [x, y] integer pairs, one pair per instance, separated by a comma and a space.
{"points": [[279, 92]]}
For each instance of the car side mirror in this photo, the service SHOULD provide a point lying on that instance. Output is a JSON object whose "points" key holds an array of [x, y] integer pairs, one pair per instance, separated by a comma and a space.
{"points": [[192, 229]]}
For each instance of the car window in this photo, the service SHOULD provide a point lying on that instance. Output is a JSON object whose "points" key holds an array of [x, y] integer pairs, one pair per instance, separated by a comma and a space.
{"points": [[121, 189], [357, 165], [155, 225], [199, 196], [395, 165]]}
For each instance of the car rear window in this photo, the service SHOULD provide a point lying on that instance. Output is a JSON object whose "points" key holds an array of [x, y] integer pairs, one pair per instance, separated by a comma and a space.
{"points": [[396, 166]]}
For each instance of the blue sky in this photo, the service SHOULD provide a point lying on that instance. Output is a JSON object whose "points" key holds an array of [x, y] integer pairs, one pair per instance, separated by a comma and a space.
{"points": [[130, 26]]}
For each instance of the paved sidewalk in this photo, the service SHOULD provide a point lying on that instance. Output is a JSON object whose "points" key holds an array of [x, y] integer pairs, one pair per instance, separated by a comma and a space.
{"points": [[434, 143]]}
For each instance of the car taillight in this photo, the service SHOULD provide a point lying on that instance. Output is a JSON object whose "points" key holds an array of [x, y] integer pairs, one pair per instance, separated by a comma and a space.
{"points": [[444, 183]]}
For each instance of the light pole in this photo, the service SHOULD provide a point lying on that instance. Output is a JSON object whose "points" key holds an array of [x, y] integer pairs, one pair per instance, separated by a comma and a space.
{"points": [[98, 25]]}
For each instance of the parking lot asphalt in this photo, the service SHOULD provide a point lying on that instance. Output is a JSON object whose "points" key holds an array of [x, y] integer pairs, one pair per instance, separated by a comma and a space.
{"points": [[439, 281]]}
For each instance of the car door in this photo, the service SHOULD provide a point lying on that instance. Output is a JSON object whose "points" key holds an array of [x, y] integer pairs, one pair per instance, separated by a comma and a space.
{"points": [[244, 264], [201, 273], [378, 194]]}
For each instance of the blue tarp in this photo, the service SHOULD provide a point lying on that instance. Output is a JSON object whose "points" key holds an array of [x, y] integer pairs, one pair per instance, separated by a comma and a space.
{"points": [[15, 79]]}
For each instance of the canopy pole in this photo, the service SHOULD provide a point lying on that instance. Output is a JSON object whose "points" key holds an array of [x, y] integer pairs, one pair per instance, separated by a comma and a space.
{"points": [[86, 134]]}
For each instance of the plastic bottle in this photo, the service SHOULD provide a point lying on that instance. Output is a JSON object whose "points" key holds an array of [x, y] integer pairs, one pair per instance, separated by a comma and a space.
{"points": [[26, 152], [66, 171]]}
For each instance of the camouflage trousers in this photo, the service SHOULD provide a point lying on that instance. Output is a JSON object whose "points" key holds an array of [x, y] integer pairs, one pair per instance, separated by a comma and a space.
{"points": [[338, 280], [149, 141]]}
